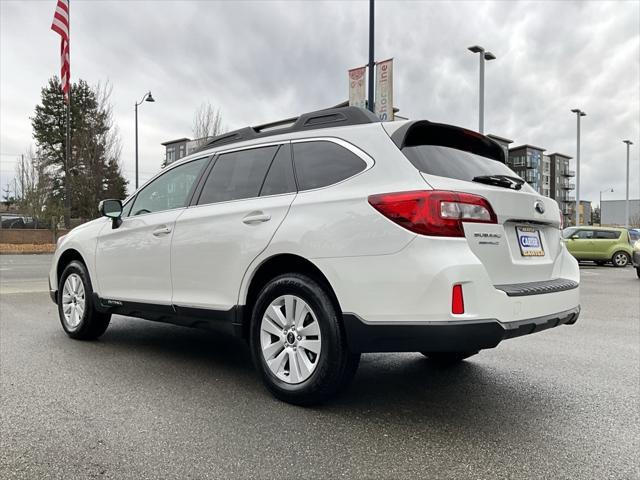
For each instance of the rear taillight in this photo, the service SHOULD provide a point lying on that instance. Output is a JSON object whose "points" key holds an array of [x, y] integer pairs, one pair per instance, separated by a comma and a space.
{"points": [[435, 212], [561, 220]]}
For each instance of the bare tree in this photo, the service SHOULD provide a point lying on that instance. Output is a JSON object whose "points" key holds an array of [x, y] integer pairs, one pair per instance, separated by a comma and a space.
{"points": [[35, 186], [207, 123]]}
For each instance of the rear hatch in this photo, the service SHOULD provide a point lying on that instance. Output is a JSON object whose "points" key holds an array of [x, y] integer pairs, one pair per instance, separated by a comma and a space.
{"points": [[525, 243]]}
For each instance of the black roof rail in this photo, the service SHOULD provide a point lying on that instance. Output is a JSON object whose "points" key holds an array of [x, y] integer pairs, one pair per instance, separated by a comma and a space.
{"points": [[330, 117]]}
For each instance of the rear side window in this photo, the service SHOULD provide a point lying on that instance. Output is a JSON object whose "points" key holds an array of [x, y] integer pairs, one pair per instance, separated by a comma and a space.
{"points": [[453, 163], [280, 176], [607, 234], [323, 163], [237, 175]]}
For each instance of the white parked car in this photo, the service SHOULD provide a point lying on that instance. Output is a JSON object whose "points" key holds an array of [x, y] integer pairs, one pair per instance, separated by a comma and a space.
{"points": [[319, 238]]}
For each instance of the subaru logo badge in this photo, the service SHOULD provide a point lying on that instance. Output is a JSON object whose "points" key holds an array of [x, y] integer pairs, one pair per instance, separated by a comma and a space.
{"points": [[539, 206]]}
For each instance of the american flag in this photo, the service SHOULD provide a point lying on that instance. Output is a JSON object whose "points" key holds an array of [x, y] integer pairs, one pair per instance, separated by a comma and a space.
{"points": [[60, 25]]}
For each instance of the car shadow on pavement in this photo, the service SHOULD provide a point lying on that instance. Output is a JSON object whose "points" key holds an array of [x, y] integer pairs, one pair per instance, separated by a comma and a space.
{"points": [[408, 384]]}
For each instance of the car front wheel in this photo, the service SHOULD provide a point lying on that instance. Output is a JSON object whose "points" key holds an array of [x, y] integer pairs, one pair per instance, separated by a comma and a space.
{"points": [[620, 259], [297, 342], [78, 316]]}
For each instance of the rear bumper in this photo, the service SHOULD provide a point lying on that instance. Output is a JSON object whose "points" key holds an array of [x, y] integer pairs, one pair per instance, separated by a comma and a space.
{"points": [[471, 335]]}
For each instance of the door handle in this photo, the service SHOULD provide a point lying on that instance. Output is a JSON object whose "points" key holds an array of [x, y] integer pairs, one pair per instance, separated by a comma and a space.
{"points": [[163, 230], [256, 217]]}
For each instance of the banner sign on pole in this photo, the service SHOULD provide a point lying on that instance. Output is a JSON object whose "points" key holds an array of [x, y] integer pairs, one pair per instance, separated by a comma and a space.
{"points": [[384, 90], [357, 87]]}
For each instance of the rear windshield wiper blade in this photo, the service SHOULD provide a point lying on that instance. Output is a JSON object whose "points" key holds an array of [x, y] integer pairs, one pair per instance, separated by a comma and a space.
{"points": [[506, 181]]}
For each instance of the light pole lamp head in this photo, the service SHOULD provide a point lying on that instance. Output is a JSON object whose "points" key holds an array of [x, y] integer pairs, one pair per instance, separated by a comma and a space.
{"points": [[489, 56], [149, 98], [476, 49], [628, 142], [579, 112]]}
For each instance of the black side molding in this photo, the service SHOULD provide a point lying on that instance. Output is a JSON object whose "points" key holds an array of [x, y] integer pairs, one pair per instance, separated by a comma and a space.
{"points": [[454, 336], [537, 288]]}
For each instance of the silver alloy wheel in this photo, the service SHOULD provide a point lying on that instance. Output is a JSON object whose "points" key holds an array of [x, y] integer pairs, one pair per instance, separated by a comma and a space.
{"points": [[73, 301], [290, 339], [620, 259]]}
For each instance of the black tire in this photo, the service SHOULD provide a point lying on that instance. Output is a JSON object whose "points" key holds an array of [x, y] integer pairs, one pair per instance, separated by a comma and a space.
{"points": [[638, 271], [93, 323], [336, 365], [617, 259], [447, 358]]}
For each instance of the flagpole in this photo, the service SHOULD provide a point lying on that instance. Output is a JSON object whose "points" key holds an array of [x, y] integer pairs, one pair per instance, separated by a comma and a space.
{"points": [[67, 186]]}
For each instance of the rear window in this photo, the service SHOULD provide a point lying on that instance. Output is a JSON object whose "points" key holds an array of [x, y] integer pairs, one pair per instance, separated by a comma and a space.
{"points": [[237, 175], [453, 163], [607, 234]]}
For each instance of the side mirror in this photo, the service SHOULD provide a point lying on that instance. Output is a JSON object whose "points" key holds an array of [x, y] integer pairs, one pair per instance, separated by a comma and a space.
{"points": [[112, 209]]}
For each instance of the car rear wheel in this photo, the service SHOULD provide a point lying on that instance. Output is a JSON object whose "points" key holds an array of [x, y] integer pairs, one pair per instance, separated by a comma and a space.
{"points": [[78, 316], [448, 358], [620, 259], [297, 342]]}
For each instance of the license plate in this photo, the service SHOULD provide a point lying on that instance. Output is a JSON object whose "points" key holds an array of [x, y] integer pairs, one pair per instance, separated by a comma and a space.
{"points": [[530, 242]]}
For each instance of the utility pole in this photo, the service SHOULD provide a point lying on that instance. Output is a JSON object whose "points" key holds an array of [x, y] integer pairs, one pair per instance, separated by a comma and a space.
{"points": [[370, 103], [22, 177], [626, 203], [579, 113]]}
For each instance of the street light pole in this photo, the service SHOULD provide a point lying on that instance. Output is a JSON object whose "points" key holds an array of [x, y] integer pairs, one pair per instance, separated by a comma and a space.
{"points": [[146, 98], [483, 56], [600, 204], [579, 113], [626, 203], [370, 102]]}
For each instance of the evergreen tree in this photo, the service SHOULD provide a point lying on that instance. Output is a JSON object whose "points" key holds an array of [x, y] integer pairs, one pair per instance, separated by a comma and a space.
{"points": [[93, 172]]}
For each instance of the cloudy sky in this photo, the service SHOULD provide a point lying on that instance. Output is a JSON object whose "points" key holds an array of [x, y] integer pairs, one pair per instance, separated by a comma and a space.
{"points": [[261, 61]]}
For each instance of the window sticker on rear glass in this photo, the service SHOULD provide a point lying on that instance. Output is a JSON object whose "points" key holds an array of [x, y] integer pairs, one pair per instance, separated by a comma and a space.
{"points": [[529, 242]]}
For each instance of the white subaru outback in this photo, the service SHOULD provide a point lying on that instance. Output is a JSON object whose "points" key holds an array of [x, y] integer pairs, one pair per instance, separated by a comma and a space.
{"points": [[322, 237]]}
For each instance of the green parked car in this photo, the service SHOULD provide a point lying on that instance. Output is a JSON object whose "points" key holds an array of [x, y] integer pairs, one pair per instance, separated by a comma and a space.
{"points": [[600, 244]]}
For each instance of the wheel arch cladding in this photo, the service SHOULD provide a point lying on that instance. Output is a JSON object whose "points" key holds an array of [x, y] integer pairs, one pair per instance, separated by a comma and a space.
{"points": [[278, 265], [65, 259]]}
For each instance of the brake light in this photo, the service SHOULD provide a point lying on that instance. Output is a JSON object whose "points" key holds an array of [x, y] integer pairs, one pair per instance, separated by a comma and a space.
{"points": [[436, 212], [457, 300], [561, 220]]}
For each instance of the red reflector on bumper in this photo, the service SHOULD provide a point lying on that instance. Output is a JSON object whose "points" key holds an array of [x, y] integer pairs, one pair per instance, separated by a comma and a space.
{"points": [[457, 301]]}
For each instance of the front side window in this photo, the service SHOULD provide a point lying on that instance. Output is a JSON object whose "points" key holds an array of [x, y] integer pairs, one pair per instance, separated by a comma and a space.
{"points": [[585, 234], [321, 163], [237, 175], [168, 191]]}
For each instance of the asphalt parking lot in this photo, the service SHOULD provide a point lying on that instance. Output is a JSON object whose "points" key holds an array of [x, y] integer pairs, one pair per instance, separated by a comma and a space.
{"points": [[156, 401]]}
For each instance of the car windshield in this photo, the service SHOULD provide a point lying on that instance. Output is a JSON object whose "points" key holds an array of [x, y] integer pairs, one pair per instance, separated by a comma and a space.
{"points": [[454, 163], [567, 232]]}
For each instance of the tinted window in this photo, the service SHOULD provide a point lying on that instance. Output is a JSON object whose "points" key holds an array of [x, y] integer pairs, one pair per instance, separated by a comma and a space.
{"points": [[280, 176], [237, 175], [567, 232], [453, 163], [585, 234], [169, 190], [319, 164], [607, 234]]}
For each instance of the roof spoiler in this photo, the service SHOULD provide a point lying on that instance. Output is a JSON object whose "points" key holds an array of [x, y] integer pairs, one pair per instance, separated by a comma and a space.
{"points": [[423, 132]]}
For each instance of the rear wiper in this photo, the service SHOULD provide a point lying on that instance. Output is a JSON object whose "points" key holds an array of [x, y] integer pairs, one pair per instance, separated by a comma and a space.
{"points": [[506, 181]]}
